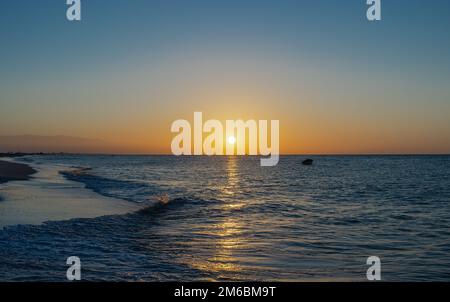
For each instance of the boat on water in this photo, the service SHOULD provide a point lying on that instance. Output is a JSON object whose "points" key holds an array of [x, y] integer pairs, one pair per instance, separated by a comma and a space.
{"points": [[307, 162]]}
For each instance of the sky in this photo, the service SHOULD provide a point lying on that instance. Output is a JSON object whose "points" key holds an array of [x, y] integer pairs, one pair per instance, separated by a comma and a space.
{"points": [[337, 83]]}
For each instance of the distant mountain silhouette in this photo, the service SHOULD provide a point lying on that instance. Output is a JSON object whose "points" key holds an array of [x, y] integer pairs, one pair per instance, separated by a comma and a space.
{"points": [[59, 143]]}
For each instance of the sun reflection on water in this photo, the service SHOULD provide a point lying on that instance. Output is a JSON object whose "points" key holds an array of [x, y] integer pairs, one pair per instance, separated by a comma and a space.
{"points": [[232, 180], [225, 236]]}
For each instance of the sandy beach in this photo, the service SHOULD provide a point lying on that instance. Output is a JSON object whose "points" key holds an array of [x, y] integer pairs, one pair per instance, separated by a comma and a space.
{"points": [[14, 171], [48, 196]]}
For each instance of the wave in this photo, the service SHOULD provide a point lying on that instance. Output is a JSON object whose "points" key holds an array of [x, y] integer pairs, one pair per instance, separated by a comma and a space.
{"points": [[166, 205], [156, 204], [153, 198], [122, 189]]}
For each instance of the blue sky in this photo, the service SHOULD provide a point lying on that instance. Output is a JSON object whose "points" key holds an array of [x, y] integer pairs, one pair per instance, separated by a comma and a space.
{"points": [[411, 32]]}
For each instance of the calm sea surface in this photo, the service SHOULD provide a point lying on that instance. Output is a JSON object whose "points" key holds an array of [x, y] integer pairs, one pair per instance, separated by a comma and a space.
{"points": [[227, 218]]}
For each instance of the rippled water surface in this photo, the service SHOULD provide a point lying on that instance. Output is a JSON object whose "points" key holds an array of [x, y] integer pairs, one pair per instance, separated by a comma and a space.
{"points": [[227, 218]]}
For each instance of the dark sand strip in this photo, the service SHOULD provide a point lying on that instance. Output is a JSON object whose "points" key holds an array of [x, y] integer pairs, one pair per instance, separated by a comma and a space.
{"points": [[14, 171]]}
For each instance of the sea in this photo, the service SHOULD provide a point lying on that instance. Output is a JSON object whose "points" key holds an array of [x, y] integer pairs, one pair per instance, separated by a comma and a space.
{"points": [[226, 218]]}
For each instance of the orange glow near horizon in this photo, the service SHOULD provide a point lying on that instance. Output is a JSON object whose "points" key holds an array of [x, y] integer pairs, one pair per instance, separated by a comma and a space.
{"points": [[134, 117], [302, 135]]}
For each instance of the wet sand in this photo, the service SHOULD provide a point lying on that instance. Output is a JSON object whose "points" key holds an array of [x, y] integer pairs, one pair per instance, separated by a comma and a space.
{"points": [[14, 171], [48, 196]]}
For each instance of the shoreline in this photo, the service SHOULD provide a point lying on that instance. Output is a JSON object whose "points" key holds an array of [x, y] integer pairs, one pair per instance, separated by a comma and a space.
{"points": [[10, 171], [49, 196]]}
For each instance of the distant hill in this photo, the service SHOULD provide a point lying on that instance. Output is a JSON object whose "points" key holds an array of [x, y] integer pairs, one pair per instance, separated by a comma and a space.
{"points": [[59, 143]]}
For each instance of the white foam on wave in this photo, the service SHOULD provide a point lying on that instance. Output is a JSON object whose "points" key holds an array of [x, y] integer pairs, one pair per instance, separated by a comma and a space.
{"points": [[48, 196]]}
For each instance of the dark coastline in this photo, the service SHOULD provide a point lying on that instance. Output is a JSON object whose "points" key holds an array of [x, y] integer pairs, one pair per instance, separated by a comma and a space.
{"points": [[14, 171]]}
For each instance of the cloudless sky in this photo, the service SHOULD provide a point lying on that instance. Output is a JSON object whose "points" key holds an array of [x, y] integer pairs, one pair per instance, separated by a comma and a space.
{"points": [[337, 82]]}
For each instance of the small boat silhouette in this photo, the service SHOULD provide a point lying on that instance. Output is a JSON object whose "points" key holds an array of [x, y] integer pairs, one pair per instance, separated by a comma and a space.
{"points": [[307, 162]]}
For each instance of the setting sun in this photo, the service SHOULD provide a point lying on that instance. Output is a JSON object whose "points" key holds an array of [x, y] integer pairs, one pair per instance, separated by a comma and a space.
{"points": [[231, 140]]}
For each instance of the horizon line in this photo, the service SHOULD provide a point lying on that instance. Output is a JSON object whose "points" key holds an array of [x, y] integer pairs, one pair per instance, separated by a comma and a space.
{"points": [[5, 154]]}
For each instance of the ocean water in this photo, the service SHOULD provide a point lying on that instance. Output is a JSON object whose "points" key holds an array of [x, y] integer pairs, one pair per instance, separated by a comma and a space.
{"points": [[228, 219]]}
